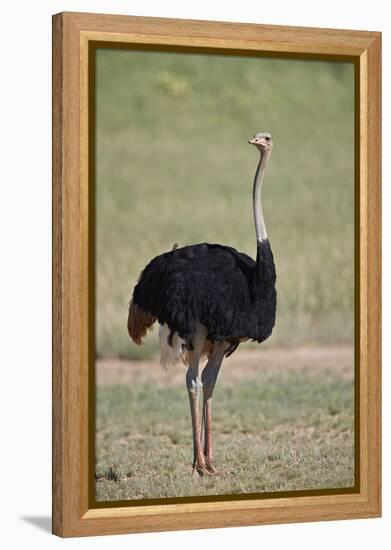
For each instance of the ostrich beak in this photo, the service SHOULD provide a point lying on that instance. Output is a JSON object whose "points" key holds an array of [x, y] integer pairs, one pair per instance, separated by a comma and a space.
{"points": [[252, 141]]}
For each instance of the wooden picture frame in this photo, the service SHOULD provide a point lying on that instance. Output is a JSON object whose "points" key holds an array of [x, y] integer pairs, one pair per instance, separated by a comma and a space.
{"points": [[74, 37]]}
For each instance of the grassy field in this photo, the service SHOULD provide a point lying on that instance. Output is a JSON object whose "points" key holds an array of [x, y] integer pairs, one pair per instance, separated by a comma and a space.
{"points": [[283, 420], [174, 166]]}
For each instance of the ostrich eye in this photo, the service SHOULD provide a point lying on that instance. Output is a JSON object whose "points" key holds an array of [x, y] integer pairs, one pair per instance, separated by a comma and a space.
{"points": [[267, 138]]}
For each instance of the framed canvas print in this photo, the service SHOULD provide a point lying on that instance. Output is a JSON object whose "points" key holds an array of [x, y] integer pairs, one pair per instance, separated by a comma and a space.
{"points": [[216, 212]]}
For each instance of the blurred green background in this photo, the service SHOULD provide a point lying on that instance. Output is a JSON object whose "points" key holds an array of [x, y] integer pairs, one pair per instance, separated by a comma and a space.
{"points": [[174, 166]]}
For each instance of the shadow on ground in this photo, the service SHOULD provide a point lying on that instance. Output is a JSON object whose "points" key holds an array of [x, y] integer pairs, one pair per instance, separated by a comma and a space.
{"points": [[41, 522]]}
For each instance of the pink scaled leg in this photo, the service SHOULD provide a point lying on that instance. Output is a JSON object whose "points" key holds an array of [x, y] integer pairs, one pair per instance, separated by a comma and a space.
{"points": [[194, 387], [209, 377]]}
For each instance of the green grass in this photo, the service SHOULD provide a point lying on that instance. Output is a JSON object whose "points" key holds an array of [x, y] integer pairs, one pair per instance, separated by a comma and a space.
{"points": [[277, 432], [173, 165]]}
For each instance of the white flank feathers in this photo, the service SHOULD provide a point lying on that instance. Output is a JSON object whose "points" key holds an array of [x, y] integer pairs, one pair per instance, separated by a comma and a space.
{"points": [[171, 356]]}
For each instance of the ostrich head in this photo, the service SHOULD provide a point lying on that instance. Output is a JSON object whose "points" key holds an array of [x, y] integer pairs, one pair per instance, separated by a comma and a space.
{"points": [[262, 141]]}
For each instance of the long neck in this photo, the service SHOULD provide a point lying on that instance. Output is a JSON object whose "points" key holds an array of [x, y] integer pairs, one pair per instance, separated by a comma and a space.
{"points": [[260, 228]]}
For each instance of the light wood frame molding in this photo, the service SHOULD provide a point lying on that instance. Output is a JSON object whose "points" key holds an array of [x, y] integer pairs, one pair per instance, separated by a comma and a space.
{"points": [[73, 34]]}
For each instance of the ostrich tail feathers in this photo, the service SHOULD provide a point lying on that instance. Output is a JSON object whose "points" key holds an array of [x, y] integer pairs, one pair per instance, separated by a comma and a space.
{"points": [[139, 323]]}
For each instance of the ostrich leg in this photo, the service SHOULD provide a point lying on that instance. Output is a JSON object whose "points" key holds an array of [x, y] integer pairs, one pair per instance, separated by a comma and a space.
{"points": [[209, 377], [194, 386]]}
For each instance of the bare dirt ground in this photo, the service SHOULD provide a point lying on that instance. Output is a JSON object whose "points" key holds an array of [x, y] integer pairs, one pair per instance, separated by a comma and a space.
{"points": [[337, 361]]}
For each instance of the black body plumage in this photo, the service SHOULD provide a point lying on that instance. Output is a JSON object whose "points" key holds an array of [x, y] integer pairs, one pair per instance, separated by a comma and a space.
{"points": [[229, 293]]}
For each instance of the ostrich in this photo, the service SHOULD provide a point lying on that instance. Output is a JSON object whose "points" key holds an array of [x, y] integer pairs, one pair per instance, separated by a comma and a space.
{"points": [[208, 298]]}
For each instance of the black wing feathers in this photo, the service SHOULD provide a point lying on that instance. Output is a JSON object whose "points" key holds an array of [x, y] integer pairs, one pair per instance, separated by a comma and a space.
{"points": [[225, 290]]}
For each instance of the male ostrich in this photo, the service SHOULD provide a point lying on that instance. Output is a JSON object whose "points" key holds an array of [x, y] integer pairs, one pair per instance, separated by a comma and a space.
{"points": [[208, 298]]}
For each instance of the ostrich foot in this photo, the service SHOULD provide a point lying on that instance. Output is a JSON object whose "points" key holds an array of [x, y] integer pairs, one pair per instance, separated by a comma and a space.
{"points": [[200, 470], [211, 468]]}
